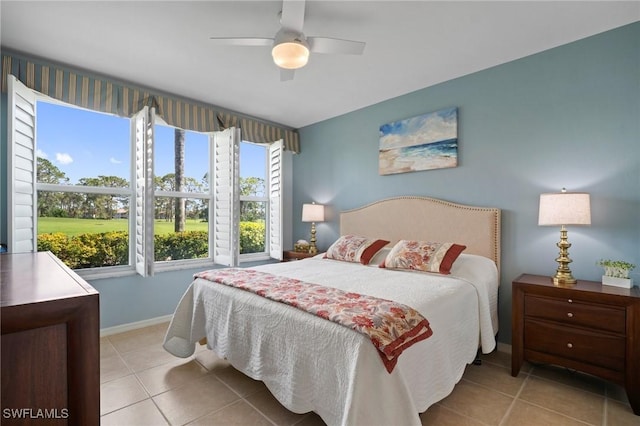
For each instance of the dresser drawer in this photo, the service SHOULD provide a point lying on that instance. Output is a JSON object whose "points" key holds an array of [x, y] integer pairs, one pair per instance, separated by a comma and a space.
{"points": [[591, 347], [572, 312]]}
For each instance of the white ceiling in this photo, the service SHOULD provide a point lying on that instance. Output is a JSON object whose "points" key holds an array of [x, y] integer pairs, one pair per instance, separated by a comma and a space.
{"points": [[410, 45]]}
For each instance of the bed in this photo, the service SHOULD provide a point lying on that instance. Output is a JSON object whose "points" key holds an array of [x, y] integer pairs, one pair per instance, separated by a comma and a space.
{"points": [[311, 364]]}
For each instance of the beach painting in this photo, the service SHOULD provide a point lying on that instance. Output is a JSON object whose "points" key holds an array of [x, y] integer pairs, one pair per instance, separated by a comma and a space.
{"points": [[425, 142]]}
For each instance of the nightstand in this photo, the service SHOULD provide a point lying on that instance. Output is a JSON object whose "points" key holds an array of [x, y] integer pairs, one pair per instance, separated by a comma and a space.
{"points": [[289, 255], [586, 327]]}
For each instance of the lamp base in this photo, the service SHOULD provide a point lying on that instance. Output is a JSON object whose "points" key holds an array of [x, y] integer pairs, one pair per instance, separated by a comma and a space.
{"points": [[563, 280], [563, 275], [312, 242]]}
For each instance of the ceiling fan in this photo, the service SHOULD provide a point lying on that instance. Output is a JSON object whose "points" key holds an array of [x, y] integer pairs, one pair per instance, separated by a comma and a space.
{"points": [[290, 47]]}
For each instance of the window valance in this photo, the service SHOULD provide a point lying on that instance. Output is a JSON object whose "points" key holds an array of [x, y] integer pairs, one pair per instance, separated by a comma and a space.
{"points": [[105, 95]]}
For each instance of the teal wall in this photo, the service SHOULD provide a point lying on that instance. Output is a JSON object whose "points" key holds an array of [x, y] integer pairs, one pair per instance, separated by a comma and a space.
{"points": [[567, 117], [134, 298]]}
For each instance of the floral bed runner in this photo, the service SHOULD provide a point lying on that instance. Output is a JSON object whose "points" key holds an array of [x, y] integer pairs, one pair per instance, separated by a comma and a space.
{"points": [[392, 327]]}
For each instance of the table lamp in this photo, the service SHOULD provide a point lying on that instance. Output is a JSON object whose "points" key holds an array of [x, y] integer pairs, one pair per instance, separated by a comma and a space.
{"points": [[564, 208], [313, 213]]}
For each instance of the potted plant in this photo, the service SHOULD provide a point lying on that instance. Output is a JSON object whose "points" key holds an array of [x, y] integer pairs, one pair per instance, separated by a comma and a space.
{"points": [[616, 272]]}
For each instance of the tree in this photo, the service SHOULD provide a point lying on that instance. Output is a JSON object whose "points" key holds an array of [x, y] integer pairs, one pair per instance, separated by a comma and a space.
{"points": [[102, 206], [71, 204], [48, 173], [204, 205], [180, 212], [252, 211], [251, 186], [165, 206], [49, 203]]}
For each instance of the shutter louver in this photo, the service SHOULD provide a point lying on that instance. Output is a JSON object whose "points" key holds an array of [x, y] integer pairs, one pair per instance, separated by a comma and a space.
{"points": [[142, 132], [226, 199], [275, 200], [22, 205]]}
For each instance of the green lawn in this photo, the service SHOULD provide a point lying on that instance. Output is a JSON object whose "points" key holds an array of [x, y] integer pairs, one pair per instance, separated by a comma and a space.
{"points": [[72, 227]]}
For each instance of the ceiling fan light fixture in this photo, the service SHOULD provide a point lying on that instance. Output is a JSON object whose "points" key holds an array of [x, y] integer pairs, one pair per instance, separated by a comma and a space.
{"points": [[290, 55]]}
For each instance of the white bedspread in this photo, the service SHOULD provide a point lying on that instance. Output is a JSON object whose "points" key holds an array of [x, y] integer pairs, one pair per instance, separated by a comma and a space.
{"points": [[310, 364]]}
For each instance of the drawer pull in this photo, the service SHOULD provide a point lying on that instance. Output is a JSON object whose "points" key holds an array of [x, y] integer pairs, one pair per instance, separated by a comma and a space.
{"points": [[569, 345], [570, 301], [570, 315]]}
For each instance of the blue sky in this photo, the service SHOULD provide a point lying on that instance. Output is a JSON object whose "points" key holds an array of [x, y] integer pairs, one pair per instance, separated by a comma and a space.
{"points": [[431, 127], [88, 144]]}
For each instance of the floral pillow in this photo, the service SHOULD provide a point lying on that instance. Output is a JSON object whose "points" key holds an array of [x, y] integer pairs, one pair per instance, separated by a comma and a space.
{"points": [[352, 248], [423, 256]]}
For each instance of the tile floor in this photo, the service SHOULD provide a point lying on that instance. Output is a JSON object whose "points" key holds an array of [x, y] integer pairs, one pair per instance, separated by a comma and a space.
{"points": [[141, 384]]}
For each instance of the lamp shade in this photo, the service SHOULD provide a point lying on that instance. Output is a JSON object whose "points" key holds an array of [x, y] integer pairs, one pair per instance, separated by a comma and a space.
{"points": [[312, 213], [565, 208]]}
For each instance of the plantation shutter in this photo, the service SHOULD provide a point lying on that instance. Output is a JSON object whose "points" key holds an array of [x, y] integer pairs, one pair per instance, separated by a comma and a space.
{"points": [[142, 135], [226, 197], [275, 200], [22, 205]]}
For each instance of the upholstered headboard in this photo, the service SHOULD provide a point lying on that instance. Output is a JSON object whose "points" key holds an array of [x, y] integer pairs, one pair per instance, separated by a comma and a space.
{"points": [[427, 219]]}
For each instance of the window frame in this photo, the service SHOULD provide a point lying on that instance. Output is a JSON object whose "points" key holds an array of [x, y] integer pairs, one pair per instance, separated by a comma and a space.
{"points": [[171, 265], [263, 255], [272, 250], [102, 271]]}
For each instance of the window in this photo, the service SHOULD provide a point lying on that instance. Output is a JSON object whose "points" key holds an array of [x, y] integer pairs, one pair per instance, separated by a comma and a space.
{"points": [[132, 193], [254, 200], [83, 176], [181, 194]]}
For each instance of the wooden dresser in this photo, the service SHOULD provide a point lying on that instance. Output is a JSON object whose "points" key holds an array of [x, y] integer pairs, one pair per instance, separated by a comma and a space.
{"points": [[50, 343], [587, 327]]}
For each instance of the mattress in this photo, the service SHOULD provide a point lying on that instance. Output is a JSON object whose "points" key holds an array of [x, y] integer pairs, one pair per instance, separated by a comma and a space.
{"points": [[311, 364]]}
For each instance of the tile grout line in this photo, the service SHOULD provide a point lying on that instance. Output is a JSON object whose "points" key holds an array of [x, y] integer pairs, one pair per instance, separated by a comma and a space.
{"points": [[507, 414], [261, 413], [138, 380], [529, 377], [456, 412], [130, 403], [151, 397], [242, 398], [159, 410], [561, 384], [131, 373], [121, 359], [216, 411], [187, 384]]}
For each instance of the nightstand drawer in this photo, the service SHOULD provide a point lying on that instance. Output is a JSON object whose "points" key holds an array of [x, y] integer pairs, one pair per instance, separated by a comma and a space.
{"points": [[289, 255], [572, 312], [604, 350]]}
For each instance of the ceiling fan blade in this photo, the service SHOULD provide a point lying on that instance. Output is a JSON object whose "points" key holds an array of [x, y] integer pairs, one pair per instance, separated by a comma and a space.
{"points": [[335, 45], [286, 74], [241, 41], [292, 15]]}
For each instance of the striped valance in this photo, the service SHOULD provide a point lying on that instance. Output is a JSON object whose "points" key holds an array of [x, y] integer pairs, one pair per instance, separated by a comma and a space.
{"points": [[105, 95]]}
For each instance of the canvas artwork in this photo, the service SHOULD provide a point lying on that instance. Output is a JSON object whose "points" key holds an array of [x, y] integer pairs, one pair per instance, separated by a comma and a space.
{"points": [[425, 142]]}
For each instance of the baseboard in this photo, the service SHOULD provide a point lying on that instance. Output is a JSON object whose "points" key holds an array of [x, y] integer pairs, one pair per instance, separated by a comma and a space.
{"points": [[503, 347], [134, 325]]}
